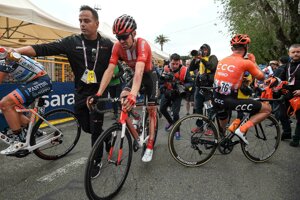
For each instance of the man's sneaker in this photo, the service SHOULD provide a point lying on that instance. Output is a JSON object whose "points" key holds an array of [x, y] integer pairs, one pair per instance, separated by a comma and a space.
{"points": [[147, 155], [294, 143], [177, 135], [208, 132], [13, 148], [96, 169], [241, 135], [168, 127], [196, 130]]}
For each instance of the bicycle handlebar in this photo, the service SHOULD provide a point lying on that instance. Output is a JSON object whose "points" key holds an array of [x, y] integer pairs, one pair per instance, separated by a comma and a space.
{"points": [[281, 98], [101, 101], [112, 100]]}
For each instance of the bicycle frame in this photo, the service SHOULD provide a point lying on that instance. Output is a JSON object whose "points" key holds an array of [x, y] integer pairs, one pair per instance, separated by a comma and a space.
{"points": [[34, 116], [126, 122]]}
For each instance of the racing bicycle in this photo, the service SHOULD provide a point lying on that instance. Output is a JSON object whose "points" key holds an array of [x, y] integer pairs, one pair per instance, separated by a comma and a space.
{"points": [[197, 148], [116, 159], [50, 135]]}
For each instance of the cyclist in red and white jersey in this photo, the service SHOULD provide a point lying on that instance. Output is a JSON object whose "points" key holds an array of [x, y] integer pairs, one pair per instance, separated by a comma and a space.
{"points": [[228, 80], [136, 52], [34, 83]]}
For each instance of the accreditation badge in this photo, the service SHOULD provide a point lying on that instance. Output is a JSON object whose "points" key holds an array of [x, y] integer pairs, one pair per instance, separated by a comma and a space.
{"points": [[91, 77], [84, 76]]}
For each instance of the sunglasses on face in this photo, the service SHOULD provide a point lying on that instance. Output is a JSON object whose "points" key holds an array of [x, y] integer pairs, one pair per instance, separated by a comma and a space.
{"points": [[122, 37]]}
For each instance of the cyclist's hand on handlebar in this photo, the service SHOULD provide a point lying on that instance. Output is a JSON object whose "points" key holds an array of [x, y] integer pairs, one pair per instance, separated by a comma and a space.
{"points": [[93, 99], [129, 102]]}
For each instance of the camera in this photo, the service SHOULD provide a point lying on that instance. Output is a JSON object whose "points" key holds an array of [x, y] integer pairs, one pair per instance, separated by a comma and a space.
{"points": [[197, 52], [181, 89], [167, 76]]}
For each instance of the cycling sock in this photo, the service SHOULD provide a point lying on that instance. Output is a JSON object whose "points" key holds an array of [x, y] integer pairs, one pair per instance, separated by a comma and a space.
{"points": [[234, 125], [244, 128], [150, 144]]}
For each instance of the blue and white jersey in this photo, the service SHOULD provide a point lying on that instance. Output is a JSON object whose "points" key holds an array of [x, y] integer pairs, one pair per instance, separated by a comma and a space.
{"points": [[24, 70]]}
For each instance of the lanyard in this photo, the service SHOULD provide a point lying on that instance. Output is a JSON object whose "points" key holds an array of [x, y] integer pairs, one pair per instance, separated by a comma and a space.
{"points": [[84, 53], [289, 71]]}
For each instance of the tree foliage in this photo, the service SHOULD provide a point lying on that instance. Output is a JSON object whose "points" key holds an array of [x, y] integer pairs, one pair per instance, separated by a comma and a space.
{"points": [[273, 25], [161, 40]]}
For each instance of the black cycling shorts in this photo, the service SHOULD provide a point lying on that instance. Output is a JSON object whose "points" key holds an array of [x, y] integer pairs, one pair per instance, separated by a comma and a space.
{"points": [[230, 102], [149, 86]]}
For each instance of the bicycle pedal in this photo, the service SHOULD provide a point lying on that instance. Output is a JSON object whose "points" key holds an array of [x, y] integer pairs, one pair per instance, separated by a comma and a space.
{"points": [[20, 154]]}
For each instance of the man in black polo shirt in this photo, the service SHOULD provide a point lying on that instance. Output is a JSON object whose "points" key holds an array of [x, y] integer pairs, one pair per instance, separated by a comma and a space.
{"points": [[88, 54]]}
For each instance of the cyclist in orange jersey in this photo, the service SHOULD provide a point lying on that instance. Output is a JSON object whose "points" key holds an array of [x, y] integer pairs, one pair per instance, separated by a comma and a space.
{"points": [[228, 80]]}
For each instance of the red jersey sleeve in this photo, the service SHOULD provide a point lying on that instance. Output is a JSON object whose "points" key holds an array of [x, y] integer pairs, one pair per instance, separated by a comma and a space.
{"points": [[115, 53]]}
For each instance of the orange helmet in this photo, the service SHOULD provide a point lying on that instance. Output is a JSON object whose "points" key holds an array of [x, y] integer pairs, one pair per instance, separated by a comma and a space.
{"points": [[240, 39], [124, 24]]}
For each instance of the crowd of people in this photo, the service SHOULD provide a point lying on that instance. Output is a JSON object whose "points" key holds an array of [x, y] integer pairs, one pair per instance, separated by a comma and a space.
{"points": [[95, 62]]}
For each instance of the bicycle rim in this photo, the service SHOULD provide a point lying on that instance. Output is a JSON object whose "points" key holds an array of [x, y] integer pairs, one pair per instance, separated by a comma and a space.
{"points": [[264, 139], [112, 176], [63, 120], [193, 149]]}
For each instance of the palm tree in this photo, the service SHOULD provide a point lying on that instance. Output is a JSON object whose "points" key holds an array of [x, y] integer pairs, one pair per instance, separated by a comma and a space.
{"points": [[161, 39]]}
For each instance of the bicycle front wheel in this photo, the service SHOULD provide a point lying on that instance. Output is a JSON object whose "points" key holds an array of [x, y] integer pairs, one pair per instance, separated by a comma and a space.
{"points": [[56, 121], [264, 139], [113, 164], [193, 148]]}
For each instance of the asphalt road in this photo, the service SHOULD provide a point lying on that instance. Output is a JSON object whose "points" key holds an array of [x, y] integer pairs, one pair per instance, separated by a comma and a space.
{"points": [[225, 177]]}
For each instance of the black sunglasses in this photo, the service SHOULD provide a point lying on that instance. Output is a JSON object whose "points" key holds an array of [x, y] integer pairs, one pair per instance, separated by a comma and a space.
{"points": [[122, 37]]}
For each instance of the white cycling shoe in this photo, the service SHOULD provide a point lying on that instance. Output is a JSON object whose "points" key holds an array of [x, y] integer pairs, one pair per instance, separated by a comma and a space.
{"points": [[13, 148], [147, 155], [241, 135]]}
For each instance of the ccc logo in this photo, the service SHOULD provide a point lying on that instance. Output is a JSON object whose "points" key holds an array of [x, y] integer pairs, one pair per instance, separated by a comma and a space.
{"points": [[244, 107], [219, 101]]}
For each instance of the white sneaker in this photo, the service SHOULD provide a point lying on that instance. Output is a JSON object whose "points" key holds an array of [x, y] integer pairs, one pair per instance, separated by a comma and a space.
{"points": [[241, 135], [147, 155], [13, 148]]}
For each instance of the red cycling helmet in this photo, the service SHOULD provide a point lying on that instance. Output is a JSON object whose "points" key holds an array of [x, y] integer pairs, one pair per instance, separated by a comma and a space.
{"points": [[240, 39], [124, 24]]}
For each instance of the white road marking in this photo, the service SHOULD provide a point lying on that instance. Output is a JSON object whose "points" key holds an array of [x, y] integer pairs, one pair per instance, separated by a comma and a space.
{"points": [[63, 170]]}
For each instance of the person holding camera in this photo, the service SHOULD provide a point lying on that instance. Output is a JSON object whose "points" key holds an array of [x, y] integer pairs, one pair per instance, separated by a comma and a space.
{"points": [[206, 65], [176, 81]]}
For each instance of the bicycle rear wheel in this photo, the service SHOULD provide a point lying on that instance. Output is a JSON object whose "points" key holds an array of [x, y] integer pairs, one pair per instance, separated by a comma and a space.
{"points": [[112, 175], [193, 149], [63, 120], [264, 139]]}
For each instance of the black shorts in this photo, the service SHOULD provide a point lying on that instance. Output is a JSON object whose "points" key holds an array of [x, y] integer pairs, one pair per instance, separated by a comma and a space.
{"points": [[149, 85], [230, 102]]}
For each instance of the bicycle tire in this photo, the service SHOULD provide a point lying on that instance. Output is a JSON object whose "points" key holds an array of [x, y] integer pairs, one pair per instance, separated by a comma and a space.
{"points": [[103, 187], [64, 120], [193, 149], [266, 136]]}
